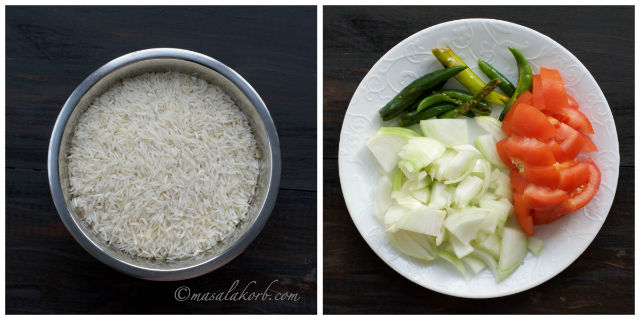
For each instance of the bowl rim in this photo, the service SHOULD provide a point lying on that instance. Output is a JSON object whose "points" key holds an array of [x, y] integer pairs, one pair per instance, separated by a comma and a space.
{"points": [[150, 273]]}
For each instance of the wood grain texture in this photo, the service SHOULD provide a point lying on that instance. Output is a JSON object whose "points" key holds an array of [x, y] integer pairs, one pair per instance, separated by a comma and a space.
{"points": [[601, 280], [50, 50]]}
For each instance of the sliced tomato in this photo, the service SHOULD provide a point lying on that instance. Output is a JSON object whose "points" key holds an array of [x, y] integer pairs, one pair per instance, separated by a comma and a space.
{"points": [[523, 213], [557, 151], [536, 95], [507, 121], [570, 142], [573, 118], [526, 98], [544, 216], [541, 175], [527, 121], [571, 102], [573, 176], [555, 95], [518, 183], [589, 146], [543, 198], [500, 146], [529, 150], [581, 196]]}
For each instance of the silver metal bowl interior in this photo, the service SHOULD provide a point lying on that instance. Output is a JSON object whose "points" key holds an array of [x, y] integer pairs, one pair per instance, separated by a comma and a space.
{"points": [[216, 73]]}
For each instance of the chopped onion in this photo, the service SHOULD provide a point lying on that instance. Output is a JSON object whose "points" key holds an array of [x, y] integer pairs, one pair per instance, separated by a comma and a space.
{"points": [[492, 126], [487, 145], [423, 220], [476, 265], [513, 249], [465, 224], [467, 190], [444, 198], [413, 244], [417, 154], [383, 197], [386, 144], [406, 200], [451, 132], [535, 245]]}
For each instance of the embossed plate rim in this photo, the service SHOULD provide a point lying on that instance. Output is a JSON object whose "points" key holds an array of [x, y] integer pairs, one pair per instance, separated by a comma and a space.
{"points": [[351, 150]]}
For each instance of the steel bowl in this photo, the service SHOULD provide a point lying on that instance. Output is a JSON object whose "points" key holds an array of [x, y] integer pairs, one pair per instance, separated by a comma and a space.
{"points": [[216, 73]]}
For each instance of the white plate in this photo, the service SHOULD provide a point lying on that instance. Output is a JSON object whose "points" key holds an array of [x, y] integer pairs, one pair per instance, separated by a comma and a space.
{"points": [[474, 39]]}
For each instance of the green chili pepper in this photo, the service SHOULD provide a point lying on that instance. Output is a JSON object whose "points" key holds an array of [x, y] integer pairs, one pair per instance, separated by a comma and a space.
{"points": [[480, 112], [486, 90], [454, 113], [464, 97], [525, 79], [433, 111], [448, 115], [467, 78], [436, 98], [454, 97], [411, 93], [506, 86], [439, 86]]}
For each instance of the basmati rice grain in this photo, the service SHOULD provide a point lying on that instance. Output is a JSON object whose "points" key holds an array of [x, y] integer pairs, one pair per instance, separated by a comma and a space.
{"points": [[163, 166]]}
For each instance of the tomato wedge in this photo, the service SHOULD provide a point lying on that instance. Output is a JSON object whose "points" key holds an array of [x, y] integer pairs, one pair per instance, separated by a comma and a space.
{"points": [[573, 118], [544, 217], [500, 147], [546, 132], [582, 195], [508, 120], [530, 150], [570, 142], [557, 151], [589, 146], [526, 98], [536, 96], [541, 175], [577, 199], [572, 103], [543, 198], [573, 176], [517, 182], [555, 95], [527, 121], [508, 124], [523, 213]]}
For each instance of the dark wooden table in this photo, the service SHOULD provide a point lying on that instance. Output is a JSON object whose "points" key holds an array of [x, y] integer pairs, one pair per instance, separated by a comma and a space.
{"points": [[357, 281], [50, 50]]}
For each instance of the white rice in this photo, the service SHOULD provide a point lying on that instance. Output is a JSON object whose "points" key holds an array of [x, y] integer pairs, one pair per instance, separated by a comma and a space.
{"points": [[163, 165]]}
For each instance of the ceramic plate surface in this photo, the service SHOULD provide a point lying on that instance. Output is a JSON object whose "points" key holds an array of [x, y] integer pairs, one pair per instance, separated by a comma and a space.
{"points": [[474, 39]]}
